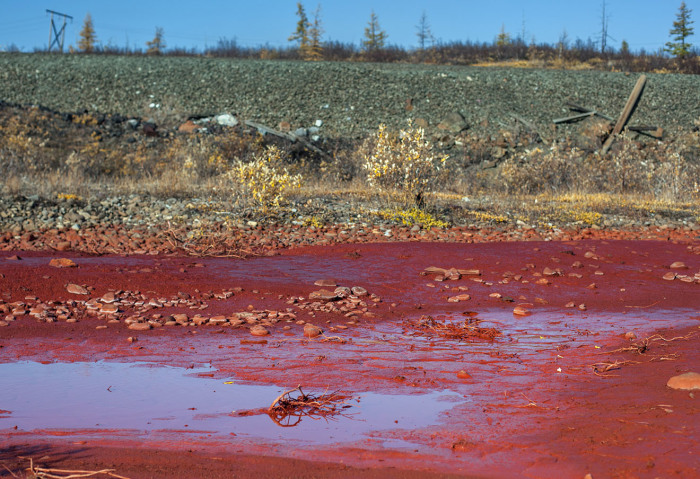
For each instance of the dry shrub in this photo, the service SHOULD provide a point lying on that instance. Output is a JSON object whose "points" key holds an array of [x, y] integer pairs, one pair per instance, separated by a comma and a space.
{"points": [[667, 170], [266, 179], [537, 170], [402, 164]]}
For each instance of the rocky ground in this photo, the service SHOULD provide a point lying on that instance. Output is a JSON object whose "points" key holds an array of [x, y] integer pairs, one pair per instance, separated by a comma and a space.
{"points": [[350, 99]]}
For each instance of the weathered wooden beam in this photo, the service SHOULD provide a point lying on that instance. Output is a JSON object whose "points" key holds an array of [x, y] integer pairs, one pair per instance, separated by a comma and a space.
{"points": [[289, 136], [630, 106], [652, 131], [583, 109], [570, 119]]}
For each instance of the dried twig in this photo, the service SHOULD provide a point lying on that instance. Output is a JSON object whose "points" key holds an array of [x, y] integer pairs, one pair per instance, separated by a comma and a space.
{"points": [[8, 470], [599, 369], [288, 410], [49, 473], [459, 331]]}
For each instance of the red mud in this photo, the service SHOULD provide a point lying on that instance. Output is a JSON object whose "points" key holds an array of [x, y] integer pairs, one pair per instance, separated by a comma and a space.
{"points": [[560, 393]]}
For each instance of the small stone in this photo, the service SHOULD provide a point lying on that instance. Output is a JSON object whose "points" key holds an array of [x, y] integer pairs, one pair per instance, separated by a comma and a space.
{"points": [[326, 283], [140, 326], [132, 339], [323, 295], [459, 298], [670, 276], [63, 246], [462, 374], [570, 304], [342, 292], [686, 381], [259, 330], [62, 263], [359, 291], [630, 336], [109, 309], [3, 323], [14, 257], [181, 318], [312, 331], [550, 272], [678, 265], [521, 311], [582, 307], [76, 289], [108, 297]]}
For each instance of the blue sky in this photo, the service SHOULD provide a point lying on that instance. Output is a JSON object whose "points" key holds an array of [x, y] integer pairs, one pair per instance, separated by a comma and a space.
{"points": [[642, 23]]}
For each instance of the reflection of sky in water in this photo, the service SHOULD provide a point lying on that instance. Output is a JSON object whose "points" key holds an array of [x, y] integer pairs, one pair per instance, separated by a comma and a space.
{"points": [[147, 398]]}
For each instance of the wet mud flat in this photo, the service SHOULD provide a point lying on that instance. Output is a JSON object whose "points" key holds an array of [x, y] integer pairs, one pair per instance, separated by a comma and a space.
{"points": [[522, 359]]}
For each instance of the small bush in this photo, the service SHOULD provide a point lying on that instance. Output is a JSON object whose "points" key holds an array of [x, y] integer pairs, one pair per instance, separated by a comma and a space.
{"points": [[266, 179], [404, 164]]}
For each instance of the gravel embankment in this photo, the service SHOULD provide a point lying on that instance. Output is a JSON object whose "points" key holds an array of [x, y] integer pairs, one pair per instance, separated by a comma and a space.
{"points": [[349, 98]]}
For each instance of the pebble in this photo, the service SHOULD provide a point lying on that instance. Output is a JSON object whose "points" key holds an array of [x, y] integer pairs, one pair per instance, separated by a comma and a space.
{"points": [[259, 330], [62, 263], [521, 311], [462, 374], [76, 289], [678, 265], [686, 381], [326, 283], [459, 298], [140, 326], [359, 291], [312, 331], [3, 323]]}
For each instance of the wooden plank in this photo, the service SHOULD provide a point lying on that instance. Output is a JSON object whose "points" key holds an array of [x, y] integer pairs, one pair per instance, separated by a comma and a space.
{"points": [[289, 136], [583, 109], [630, 106], [652, 131], [573, 118]]}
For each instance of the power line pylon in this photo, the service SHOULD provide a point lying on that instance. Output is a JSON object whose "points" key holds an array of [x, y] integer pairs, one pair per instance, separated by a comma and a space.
{"points": [[56, 36]]}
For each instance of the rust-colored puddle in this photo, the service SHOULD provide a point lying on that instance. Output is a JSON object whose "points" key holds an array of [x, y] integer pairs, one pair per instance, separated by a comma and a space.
{"points": [[145, 398]]}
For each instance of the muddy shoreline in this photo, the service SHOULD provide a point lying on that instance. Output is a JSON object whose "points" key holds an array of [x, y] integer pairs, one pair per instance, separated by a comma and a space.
{"points": [[575, 385]]}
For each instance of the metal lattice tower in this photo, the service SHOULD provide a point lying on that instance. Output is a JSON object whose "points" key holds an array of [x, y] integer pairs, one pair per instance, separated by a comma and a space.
{"points": [[56, 36]]}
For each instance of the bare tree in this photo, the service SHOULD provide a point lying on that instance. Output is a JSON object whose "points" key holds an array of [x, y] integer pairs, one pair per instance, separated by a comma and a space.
{"points": [[425, 36], [563, 43], [604, 35]]}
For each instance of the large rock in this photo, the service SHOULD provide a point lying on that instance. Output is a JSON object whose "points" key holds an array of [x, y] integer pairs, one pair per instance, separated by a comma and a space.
{"points": [[226, 119], [454, 123], [686, 381]]}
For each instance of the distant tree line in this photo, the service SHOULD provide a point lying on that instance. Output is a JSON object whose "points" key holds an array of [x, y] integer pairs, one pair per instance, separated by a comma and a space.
{"points": [[306, 43]]}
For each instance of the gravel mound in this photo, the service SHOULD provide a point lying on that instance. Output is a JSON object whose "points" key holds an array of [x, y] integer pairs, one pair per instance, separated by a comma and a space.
{"points": [[350, 99]]}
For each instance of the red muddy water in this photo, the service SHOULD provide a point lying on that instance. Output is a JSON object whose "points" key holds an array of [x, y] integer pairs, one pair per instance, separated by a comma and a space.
{"points": [[541, 359]]}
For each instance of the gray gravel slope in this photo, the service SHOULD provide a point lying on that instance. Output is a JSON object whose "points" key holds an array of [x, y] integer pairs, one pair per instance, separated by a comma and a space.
{"points": [[350, 98]]}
